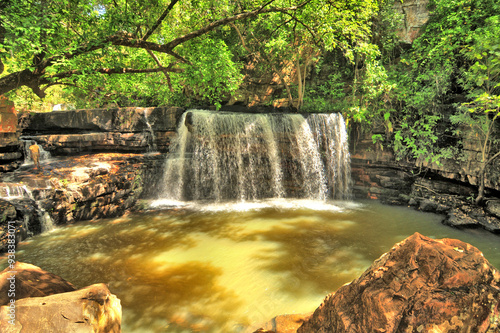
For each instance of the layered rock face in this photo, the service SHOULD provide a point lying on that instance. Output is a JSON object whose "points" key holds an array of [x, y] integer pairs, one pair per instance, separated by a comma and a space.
{"points": [[447, 188], [44, 302], [421, 285], [118, 130]]}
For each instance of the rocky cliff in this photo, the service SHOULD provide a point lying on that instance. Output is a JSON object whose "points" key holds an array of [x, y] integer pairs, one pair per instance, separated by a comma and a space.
{"points": [[447, 188]]}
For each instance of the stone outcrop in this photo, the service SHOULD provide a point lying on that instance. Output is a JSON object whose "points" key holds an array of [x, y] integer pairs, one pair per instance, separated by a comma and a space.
{"points": [[77, 188], [126, 130], [45, 302], [10, 155], [420, 285], [415, 16]]}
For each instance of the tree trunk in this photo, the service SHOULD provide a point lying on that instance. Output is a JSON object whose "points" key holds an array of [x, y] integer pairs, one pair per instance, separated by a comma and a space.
{"points": [[480, 190], [299, 80]]}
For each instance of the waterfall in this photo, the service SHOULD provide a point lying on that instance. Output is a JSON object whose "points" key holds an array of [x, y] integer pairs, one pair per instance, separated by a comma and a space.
{"points": [[331, 139], [18, 192], [221, 156], [9, 191]]}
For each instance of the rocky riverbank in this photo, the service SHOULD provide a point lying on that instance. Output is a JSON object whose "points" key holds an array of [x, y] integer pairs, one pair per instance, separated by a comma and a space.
{"points": [[420, 285], [448, 188], [76, 188]]}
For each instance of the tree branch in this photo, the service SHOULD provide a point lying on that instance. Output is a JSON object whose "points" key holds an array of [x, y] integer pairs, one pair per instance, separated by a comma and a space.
{"points": [[35, 79], [160, 20], [492, 158], [128, 40], [155, 58], [172, 44], [110, 71]]}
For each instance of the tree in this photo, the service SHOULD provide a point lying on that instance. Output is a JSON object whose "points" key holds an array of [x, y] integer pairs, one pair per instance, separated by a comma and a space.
{"points": [[483, 81], [183, 48], [428, 77], [45, 43]]}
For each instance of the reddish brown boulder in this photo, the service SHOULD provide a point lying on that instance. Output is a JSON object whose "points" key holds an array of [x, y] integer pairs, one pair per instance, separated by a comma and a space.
{"points": [[421, 285], [30, 281]]}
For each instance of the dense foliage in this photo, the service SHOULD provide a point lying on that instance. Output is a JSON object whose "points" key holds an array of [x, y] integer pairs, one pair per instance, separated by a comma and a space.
{"points": [[153, 52]]}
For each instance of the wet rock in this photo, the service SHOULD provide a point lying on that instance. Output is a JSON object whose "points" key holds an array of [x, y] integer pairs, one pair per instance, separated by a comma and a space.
{"points": [[493, 207], [457, 218], [420, 285], [31, 281], [490, 223], [92, 309], [413, 202], [19, 219], [427, 205], [283, 324]]}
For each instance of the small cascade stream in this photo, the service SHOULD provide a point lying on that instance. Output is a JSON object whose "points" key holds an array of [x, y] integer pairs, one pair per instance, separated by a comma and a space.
{"points": [[220, 156], [14, 192], [9, 191]]}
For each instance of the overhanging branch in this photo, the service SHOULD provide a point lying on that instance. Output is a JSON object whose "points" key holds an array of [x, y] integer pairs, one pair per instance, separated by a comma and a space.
{"points": [[160, 20], [171, 45], [111, 71]]}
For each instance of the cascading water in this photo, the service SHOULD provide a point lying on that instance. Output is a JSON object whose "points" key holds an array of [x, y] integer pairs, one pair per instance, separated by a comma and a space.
{"points": [[18, 192], [9, 191], [331, 137], [221, 156]]}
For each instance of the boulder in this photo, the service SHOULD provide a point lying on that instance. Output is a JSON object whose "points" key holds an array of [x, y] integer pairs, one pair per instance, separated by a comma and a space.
{"points": [[493, 207], [420, 285], [92, 309], [30, 281], [427, 205]]}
